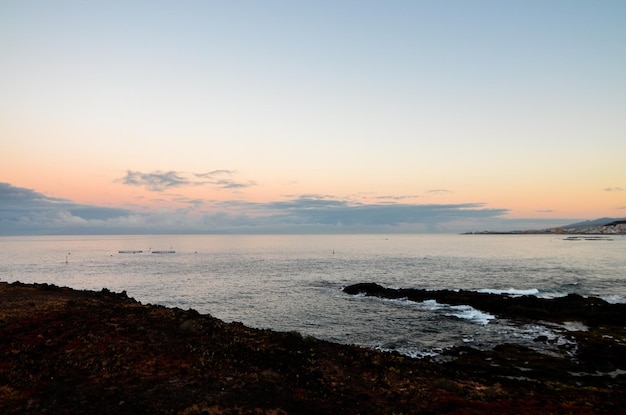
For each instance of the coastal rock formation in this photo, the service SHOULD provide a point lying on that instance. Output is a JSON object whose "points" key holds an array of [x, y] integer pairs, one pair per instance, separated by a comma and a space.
{"points": [[573, 307], [68, 351], [601, 347]]}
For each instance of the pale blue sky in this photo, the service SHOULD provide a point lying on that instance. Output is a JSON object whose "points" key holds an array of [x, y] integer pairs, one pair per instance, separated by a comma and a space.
{"points": [[515, 106]]}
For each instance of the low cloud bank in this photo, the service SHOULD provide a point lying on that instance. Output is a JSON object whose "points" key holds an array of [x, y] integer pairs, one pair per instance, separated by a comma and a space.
{"points": [[28, 212]]}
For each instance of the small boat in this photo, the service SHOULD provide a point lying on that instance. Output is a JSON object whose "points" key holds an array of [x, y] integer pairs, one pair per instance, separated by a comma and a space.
{"points": [[129, 251], [164, 252]]}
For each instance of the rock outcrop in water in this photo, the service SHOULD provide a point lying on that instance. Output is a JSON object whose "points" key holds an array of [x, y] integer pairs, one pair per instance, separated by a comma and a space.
{"points": [[77, 352], [589, 310]]}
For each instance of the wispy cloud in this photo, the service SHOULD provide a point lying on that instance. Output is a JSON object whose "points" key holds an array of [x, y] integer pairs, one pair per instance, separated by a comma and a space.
{"points": [[396, 198], [214, 173], [158, 181], [613, 189], [232, 184], [438, 191], [223, 179]]}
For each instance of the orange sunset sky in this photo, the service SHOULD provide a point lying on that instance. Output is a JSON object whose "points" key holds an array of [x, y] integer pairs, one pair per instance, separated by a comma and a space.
{"points": [[280, 116]]}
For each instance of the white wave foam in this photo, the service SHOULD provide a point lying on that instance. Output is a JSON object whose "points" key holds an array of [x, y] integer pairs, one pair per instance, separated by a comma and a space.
{"points": [[614, 299], [464, 312], [574, 326], [550, 295], [413, 352], [470, 313], [613, 374], [433, 304], [552, 338], [510, 291]]}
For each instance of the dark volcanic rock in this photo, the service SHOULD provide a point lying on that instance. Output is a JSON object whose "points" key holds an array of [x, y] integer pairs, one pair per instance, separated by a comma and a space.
{"points": [[81, 352], [589, 310]]}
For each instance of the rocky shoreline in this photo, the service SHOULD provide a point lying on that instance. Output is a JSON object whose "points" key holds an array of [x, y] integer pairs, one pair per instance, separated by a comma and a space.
{"points": [[69, 351], [573, 307]]}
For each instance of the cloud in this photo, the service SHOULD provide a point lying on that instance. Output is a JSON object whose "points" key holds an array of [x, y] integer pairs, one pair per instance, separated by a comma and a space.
{"points": [[25, 211], [613, 189], [156, 181], [439, 191], [395, 198], [216, 177], [326, 214], [14, 199], [232, 184], [212, 174], [159, 181], [324, 211]]}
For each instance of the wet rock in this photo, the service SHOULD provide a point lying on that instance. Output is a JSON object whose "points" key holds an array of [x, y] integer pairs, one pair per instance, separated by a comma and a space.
{"points": [[589, 310]]}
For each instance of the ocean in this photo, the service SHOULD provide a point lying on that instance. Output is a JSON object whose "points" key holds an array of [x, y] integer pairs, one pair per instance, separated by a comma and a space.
{"points": [[294, 282]]}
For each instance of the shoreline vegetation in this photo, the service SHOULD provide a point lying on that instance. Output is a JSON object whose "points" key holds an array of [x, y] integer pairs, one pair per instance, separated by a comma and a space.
{"points": [[71, 351]]}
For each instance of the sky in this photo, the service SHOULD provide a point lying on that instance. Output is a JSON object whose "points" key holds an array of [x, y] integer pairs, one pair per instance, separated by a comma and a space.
{"points": [[310, 116]]}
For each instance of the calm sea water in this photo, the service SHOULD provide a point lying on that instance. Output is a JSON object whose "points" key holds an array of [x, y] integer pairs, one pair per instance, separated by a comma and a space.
{"points": [[293, 282]]}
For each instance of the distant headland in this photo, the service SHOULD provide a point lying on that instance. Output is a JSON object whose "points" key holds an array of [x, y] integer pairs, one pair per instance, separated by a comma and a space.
{"points": [[602, 226]]}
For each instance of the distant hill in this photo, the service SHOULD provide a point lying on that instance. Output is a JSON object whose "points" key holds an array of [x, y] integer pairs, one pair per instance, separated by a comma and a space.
{"points": [[595, 222], [589, 227]]}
